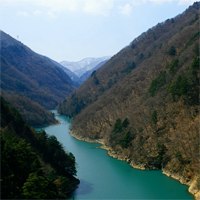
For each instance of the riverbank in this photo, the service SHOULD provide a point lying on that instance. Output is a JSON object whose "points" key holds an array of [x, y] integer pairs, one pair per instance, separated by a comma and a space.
{"points": [[192, 185]]}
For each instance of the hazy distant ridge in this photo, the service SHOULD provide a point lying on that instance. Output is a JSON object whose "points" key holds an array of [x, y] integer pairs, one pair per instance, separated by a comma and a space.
{"points": [[84, 65]]}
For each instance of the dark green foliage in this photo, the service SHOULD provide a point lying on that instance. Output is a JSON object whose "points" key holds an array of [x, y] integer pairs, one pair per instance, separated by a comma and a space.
{"points": [[120, 134], [125, 123], [162, 157], [172, 20], [52, 152], [179, 87], [172, 51], [154, 117], [141, 56], [95, 79], [161, 151], [178, 156], [126, 140], [5, 119], [78, 104], [157, 83], [195, 64], [32, 164], [17, 161], [118, 126], [160, 160], [196, 50], [36, 186], [187, 86], [129, 68], [173, 67]]}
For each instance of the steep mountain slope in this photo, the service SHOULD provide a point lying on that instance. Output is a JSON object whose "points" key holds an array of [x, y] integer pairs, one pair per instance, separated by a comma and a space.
{"points": [[26, 73], [72, 75], [87, 74], [143, 104], [32, 112], [33, 165], [84, 65]]}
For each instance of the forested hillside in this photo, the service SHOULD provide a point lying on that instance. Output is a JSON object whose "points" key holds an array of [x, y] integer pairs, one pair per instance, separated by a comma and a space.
{"points": [[33, 78], [32, 112], [143, 104], [33, 165]]}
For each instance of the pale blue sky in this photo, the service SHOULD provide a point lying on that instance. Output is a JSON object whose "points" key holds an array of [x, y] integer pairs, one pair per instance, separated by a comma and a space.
{"points": [[75, 29]]}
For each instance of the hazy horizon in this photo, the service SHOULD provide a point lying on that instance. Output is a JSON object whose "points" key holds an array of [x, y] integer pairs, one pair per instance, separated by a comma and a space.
{"points": [[75, 29]]}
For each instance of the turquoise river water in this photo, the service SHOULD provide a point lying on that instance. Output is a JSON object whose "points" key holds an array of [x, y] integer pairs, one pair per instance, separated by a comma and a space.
{"points": [[103, 177]]}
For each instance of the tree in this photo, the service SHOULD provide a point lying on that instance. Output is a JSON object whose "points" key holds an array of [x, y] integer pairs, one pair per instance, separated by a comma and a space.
{"points": [[173, 66], [179, 87], [36, 186], [154, 117], [18, 160], [129, 67], [126, 140], [157, 83], [30, 162], [125, 123], [172, 51], [118, 126]]}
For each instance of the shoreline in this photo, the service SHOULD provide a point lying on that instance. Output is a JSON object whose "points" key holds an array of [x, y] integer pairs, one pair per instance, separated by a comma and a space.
{"points": [[191, 184]]}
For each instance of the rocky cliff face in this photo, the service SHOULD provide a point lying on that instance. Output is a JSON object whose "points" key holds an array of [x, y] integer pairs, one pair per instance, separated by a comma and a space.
{"points": [[143, 104]]}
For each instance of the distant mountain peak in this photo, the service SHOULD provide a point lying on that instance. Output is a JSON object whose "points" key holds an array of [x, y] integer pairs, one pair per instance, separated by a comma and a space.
{"points": [[83, 65]]}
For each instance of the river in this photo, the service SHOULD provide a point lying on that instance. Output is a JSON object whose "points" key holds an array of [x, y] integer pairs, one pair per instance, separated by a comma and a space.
{"points": [[103, 177]]}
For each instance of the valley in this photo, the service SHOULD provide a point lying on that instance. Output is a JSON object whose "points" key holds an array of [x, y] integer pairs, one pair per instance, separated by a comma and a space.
{"points": [[143, 104], [124, 126]]}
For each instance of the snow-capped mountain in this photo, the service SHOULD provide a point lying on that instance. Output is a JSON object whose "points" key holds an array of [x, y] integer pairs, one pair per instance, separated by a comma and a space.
{"points": [[88, 73], [84, 65]]}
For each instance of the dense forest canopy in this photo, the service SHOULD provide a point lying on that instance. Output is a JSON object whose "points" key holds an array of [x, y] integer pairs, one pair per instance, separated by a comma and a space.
{"points": [[33, 165]]}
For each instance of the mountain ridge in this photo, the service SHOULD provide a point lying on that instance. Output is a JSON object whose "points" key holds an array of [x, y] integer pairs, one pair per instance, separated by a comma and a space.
{"points": [[143, 103], [33, 76], [83, 65]]}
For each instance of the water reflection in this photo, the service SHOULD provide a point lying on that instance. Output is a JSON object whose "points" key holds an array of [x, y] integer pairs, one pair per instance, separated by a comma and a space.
{"points": [[84, 188]]}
